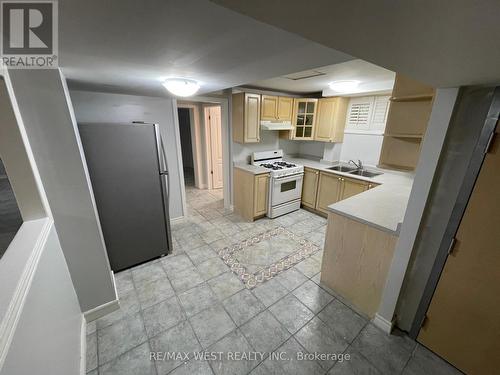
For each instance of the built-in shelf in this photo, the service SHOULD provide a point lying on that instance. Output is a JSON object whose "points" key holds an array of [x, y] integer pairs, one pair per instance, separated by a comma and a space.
{"points": [[403, 135], [411, 98]]}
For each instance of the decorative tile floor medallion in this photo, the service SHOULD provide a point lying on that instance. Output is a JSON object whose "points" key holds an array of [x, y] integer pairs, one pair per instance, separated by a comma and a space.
{"points": [[262, 257]]}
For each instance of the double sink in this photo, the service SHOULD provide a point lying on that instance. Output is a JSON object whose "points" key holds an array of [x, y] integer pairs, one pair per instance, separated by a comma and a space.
{"points": [[354, 171]]}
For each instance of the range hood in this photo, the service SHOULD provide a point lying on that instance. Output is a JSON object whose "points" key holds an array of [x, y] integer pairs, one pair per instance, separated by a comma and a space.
{"points": [[275, 125]]}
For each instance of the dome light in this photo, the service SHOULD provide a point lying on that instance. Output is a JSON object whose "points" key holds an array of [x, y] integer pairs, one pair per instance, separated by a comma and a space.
{"points": [[344, 86], [181, 86]]}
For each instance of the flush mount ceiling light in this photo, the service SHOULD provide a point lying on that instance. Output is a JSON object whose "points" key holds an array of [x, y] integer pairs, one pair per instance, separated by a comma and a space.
{"points": [[344, 86], [181, 86]]}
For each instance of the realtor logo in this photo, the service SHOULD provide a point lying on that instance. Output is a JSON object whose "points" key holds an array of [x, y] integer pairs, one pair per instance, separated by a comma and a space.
{"points": [[29, 34]]}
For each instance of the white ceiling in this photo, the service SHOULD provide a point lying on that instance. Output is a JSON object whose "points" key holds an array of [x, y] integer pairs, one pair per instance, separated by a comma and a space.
{"points": [[373, 79], [441, 43], [130, 45]]}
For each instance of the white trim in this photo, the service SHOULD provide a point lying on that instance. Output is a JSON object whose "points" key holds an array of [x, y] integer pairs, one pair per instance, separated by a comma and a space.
{"points": [[383, 324], [100, 311], [83, 347], [176, 219], [11, 318]]}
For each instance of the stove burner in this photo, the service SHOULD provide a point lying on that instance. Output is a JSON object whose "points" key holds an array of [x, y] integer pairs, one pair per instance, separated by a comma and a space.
{"points": [[285, 164], [274, 167]]}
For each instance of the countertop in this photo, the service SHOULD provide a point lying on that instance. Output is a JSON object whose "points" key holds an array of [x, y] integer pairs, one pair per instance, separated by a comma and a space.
{"points": [[382, 207], [254, 169]]}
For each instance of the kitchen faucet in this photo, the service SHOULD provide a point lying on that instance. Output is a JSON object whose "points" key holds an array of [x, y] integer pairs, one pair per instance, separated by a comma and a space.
{"points": [[359, 164]]}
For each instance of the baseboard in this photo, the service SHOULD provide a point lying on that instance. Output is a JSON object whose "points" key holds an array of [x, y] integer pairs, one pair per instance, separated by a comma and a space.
{"points": [[83, 347], [100, 311], [382, 323], [176, 219]]}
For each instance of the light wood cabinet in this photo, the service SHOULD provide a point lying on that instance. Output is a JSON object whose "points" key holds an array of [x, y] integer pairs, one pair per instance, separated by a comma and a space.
{"points": [[250, 193], [269, 108], [285, 108], [330, 119], [329, 191], [321, 189], [276, 108], [304, 118], [310, 187], [246, 117]]}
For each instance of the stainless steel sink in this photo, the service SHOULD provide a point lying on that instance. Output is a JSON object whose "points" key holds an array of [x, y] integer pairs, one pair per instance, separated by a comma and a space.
{"points": [[341, 168], [362, 172]]}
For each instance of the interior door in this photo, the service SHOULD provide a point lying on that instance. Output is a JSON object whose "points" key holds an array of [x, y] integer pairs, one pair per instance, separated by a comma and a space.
{"points": [[463, 319], [215, 129]]}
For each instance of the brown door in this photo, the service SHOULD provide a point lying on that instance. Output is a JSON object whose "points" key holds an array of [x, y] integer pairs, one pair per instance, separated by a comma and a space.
{"points": [[463, 320]]}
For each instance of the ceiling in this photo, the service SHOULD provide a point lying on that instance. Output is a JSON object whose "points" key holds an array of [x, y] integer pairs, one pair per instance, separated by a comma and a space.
{"points": [[441, 43], [130, 46], [373, 79]]}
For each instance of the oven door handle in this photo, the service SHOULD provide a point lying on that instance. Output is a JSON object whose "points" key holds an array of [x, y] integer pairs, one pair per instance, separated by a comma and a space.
{"points": [[288, 178]]}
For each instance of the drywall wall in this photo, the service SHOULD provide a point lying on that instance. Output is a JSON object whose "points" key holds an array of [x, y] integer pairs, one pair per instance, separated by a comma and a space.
{"points": [[42, 98], [441, 114], [269, 140], [93, 106], [365, 147], [47, 338], [461, 139]]}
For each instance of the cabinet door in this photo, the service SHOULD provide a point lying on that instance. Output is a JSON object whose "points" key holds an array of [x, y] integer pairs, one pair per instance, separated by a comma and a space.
{"points": [[329, 189], [269, 110], [310, 187], [285, 108], [330, 120], [304, 118], [261, 187], [352, 187], [252, 118]]}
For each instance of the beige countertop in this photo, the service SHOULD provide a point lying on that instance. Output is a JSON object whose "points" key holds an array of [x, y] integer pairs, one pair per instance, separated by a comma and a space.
{"points": [[255, 169], [382, 207]]}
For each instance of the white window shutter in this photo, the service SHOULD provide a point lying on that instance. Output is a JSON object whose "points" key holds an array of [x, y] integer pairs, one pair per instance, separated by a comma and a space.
{"points": [[359, 113], [380, 110]]}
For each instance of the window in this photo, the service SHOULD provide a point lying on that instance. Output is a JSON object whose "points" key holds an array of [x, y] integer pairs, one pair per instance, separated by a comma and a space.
{"points": [[10, 217], [367, 114]]}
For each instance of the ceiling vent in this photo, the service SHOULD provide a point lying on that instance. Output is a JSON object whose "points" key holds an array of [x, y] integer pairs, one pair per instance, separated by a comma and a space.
{"points": [[304, 75]]}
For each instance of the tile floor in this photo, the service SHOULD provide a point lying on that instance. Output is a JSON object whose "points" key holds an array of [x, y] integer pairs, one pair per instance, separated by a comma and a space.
{"points": [[190, 302]]}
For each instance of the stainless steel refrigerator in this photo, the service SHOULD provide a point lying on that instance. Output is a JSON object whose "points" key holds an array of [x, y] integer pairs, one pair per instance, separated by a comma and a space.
{"points": [[129, 174]]}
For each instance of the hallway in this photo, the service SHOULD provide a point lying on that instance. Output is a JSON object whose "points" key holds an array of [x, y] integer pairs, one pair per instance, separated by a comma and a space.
{"points": [[190, 301]]}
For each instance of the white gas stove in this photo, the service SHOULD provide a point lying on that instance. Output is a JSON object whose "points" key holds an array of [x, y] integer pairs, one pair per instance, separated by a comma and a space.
{"points": [[285, 184]]}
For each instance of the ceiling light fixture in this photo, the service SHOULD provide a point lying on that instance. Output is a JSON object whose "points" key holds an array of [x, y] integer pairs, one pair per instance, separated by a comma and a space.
{"points": [[344, 86], [181, 86]]}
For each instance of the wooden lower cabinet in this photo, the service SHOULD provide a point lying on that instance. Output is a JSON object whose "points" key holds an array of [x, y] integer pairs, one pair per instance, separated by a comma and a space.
{"points": [[310, 187], [329, 191], [356, 260], [352, 187], [250, 193]]}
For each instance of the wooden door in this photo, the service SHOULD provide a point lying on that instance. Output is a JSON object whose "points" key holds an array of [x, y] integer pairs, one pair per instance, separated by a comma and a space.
{"points": [[260, 194], [285, 108], [310, 187], [252, 118], [215, 130], [352, 187], [269, 109], [329, 189], [463, 319]]}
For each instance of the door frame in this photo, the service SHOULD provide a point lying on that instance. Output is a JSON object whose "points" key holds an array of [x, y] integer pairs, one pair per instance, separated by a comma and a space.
{"points": [[227, 149], [208, 140], [459, 208]]}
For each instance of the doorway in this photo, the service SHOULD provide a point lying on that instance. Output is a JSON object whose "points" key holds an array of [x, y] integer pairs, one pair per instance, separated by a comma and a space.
{"points": [[187, 152]]}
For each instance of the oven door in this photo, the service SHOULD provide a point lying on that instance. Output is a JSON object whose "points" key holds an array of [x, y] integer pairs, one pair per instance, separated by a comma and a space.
{"points": [[286, 189]]}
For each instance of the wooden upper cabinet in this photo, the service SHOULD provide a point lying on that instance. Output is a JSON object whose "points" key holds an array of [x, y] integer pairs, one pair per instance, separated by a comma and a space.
{"points": [[310, 187], [330, 119], [246, 117], [276, 108], [304, 117], [285, 108], [269, 108]]}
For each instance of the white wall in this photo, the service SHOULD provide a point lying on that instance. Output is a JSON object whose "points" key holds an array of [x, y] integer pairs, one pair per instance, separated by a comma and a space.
{"points": [[361, 146], [105, 107], [55, 142], [269, 140], [48, 334]]}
